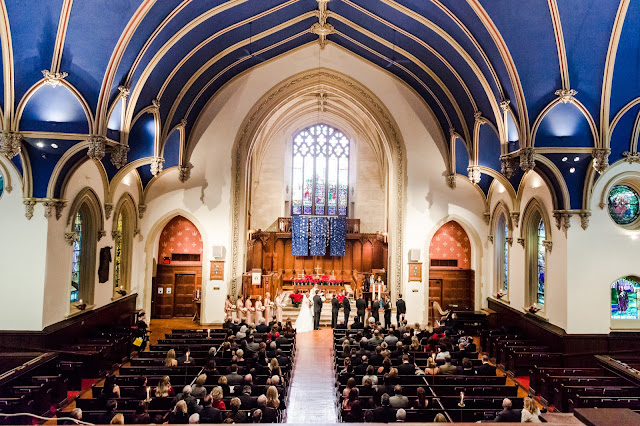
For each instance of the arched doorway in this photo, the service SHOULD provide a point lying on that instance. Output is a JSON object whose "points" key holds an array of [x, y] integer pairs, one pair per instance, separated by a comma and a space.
{"points": [[451, 279], [179, 271]]}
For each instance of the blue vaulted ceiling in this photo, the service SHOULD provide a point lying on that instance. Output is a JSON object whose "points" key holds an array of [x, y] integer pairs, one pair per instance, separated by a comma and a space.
{"points": [[167, 58]]}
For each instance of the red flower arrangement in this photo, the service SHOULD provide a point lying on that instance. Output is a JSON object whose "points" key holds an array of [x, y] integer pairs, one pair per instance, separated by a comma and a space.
{"points": [[340, 297], [296, 299]]}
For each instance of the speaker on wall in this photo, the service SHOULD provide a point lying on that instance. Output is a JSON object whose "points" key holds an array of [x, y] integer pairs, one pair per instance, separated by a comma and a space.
{"points": [[414, 255], [217, 252]]}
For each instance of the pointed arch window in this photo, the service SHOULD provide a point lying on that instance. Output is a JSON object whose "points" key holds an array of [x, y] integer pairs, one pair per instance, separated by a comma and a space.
{"points": [[117, 264], [75, 263], [502, 254], [537, 242], [320, 181], [542, 263]]}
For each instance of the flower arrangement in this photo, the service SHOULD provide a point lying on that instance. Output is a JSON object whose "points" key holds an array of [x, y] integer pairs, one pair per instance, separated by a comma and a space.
{"points": [[533, 308], [296, 299], [340, 297], [501, 294]]}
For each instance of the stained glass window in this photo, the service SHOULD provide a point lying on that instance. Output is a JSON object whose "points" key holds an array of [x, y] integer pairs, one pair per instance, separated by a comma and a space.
{"points": [[1, 185], [320, 181], [623, 204], [75, 263], [117, 265], [542, 261], [505, 258], [625, 293]]}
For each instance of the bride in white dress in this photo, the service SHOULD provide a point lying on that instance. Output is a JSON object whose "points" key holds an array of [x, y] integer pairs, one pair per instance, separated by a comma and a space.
{"points": [[304, 322]]}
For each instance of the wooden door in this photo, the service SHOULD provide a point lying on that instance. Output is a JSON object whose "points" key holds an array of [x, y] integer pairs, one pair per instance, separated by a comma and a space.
{"points": [[162, 299], [184, 286], [453, 288], [435, 295]]}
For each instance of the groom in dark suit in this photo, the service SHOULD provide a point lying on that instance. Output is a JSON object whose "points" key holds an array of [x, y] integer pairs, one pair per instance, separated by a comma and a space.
{"points": [[317, 309], [346, 306], [335, 308]]}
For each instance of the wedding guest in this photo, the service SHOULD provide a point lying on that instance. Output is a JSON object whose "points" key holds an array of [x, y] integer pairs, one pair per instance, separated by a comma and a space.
{"points": [[164, 388], [432, 367], [198, 390], [440, 418], [170, 360], [351, 384], [530, 412], [180, 414], [350, 399], [272, 397], [370, 375], [216, 398], [110, 390], [118, 419], [421, 401], [222, 383]]}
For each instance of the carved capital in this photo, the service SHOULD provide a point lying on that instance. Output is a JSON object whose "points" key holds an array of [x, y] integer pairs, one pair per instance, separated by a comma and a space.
{"points": [[124, 91], [527, 159], [101, 233], [10, 144], [451, 181], [504, 105], [584, 219], [631, 157], [478, 115], [155, 104], [28, 208], [600, 159], [474, 174], [490, 238], [515, 218], [156, 165], [566, 221], [509, 240], [53, 79], [96, 147], [48, 208], [136, 232], [141, 209], [184, 173], [108, 208], [487, 217], [452, 132], [558, 218], [566, 95], [59, 205], [548, 245], [70, 237], [507, 166], [119, 155], [521, 241]]}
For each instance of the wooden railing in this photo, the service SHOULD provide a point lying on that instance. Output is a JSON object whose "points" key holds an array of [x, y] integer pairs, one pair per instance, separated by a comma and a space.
{"points": [[284, 225]]}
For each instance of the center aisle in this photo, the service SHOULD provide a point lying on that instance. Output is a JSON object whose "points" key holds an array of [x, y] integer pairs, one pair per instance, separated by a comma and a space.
{"points": [[312, 396]]}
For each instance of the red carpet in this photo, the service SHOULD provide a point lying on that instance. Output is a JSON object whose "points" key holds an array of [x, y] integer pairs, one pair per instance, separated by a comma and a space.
{"points": [[86, 383], [524, 381]]}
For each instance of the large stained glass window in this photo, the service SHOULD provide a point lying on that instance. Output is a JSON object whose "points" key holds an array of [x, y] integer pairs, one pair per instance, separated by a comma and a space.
{"points": [[623, 205], [542, 262], [117, 265], [624, 298], [320, 180], [75, 263]]}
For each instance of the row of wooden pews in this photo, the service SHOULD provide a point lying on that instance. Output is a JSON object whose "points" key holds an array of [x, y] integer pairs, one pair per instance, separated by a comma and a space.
{"points": [[483, 395]]}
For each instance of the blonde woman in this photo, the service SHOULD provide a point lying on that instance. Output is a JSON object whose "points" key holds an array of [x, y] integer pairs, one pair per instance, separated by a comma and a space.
{"points": [[250, 310], [170, 360], [530, 412], [268, 308], [164, 388], [415, 344], [216, 397], [432, 367], [279, 306], [118, 419], [259, 310], [272, 397], [180, 413], [274, 367]]}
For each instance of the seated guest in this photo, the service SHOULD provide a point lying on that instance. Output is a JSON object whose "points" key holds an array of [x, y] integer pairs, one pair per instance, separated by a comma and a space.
{"points": [[530, 412], [262, 326], [376, 339], [233, 378], [376, 358], [371, 375], [274, 368], [110, 412], [467, 367], [164, 388], [209, 414], [256, 416], [252, 345], [406, 368], [211, 369], [199, 391], [222, 383], [242, 333], [110, 389], [351, 384], [398, 400], [76, 413], [385, 413], [272, 398], [226, 350], [180, 414], [432, 367], [471, 347], [401, 415], [216, 399], [508, 414], [185, 395], [367, 388], [349, 400], [421, 401], [447, 368], [141, 391], [415, 344], [247, 401], [194, 419], [118, 419], [486, 369], [282, 360], [141, 416], [271, 352], [461, 352], [443, 352], [386, 366], [170, 360], [269, 414], [234, 411], [355, 413], [440, 418]]}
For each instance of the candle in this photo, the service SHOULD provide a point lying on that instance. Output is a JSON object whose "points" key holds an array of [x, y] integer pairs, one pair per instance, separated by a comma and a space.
{"points": [[208, 333], [461, 403], [148, 395]]}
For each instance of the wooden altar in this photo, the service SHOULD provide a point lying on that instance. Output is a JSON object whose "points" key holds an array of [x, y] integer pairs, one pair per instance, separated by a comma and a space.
{"points": [[270, 252]]}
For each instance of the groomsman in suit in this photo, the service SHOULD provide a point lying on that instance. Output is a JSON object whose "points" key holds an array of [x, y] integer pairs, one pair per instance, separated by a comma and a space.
{"points": [[335, 308], [386, 305], [401, 309], [346, 306], [317, 310], [375, 310], [361, 305]]}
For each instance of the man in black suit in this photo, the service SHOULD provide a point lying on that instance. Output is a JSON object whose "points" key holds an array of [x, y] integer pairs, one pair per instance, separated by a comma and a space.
{"points": [[247, 402], [317, 310], [375, 310], [401, 309], [346, 306], [386, 305], [385, 413], [209, 414], [335, 308], [486, 369], [406, 368], [508, 414], [361, 305]]}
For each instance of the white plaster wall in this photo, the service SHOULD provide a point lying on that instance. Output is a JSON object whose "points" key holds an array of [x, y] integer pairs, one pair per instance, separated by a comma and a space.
{"points": [[22, 260], [596, 258], [370, 200], [268, 188]]}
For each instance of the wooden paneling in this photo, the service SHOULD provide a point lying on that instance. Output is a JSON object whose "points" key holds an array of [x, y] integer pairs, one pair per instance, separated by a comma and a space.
{"points": [[457, 288], [367, 256], [183, 295], [357, 256], [179, 300]]}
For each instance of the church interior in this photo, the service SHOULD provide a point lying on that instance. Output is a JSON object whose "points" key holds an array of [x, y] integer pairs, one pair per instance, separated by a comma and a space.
{"points": [[260, 190]]}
